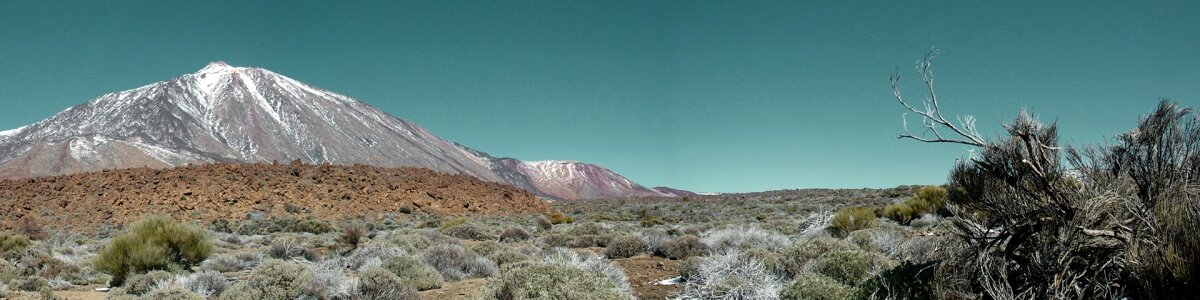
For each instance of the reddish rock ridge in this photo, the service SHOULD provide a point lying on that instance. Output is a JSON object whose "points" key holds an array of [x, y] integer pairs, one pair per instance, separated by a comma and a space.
{"points": [[231, 191]]}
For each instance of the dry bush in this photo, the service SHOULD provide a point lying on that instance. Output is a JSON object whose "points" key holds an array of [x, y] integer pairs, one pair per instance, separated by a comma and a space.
{"points": [[743, 238], [32, 228], [625, 246], [1102, 222], [850, 267], [684, 247], [731, 275], [12, 245]]}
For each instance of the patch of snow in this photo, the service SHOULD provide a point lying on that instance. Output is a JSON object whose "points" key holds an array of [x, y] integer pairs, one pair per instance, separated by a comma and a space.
{"points": [[670, 281]]}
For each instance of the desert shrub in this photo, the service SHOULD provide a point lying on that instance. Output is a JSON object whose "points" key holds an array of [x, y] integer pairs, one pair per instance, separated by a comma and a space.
{"points": [[455, 222], [284, 224], [584, 241], [771, 260], [743, 238], [232, 262], [413, 272], [289, 248], [625, 246], [684, 247], [930, 200], [906, 281], [171, 293], [558, 218], [732, 275], [514, 234], [379, 284], [468, 231], [486, 248], [456, 262], [808, 286], [32, 227], [544, 223], [785, 227], [588, 262], [854, 218], [274, 279], [899, 212], [506, 258], [588, 228], [656, 239], [329, 281], [851, 266], [557, 240], [409, 242], [12, 244], [879, 239], [690, 267], [797, 255], [155, 243], [815, 224], [351, 236], [206, 284], [29, 283], [370, 254], [141, 284], [550, 281]]}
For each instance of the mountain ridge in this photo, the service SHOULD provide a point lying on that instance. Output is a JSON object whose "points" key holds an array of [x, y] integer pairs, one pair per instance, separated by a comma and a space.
{"points": [[227, 114]]}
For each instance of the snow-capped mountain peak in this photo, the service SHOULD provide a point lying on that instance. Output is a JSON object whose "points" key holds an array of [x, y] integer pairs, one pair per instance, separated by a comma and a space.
{"points": [[223, 113]]}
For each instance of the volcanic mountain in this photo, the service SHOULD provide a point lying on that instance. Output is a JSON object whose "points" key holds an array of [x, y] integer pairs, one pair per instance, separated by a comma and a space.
{"points": [[232, 114]]}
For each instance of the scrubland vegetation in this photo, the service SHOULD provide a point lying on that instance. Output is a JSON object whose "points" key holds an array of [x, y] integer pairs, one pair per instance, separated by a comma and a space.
{"points": [[1022, 218]]}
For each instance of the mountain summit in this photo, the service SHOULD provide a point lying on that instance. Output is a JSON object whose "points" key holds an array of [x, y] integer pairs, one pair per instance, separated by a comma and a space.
{"points": [[223, 113]]}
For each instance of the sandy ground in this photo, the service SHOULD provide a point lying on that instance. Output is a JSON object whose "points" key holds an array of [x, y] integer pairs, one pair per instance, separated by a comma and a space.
{"points": [[643, 271]]}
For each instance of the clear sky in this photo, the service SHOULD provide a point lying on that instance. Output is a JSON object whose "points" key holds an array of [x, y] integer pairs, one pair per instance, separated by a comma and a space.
{"points": [[701, 95]]}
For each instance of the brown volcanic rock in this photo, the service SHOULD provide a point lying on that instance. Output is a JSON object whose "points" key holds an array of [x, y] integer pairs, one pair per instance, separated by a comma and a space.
{"points": [[231, 191]]}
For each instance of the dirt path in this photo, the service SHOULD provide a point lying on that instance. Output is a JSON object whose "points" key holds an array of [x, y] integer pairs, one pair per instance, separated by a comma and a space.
{"points": [[643, 271], [458, 290]]}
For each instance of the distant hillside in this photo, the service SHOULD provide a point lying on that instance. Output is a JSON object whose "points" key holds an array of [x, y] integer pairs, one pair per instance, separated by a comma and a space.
{"points": [[232, 191]]}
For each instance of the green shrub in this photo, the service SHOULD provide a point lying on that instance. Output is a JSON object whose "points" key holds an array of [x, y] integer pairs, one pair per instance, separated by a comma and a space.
{"points": [[850, 219], [808, 286], [684, 247], [558, 218], [12, 244], [155, 243], [285, 224], [933, 198], [379, 284], [274, 279], [588, 228], [547, 281], [900, 212], [413, 272], [851, 266], [625, 246], [142, 284]]}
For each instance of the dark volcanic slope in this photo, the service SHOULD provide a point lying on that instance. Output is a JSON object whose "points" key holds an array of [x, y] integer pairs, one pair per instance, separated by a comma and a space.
{"points": [[231, 191]]}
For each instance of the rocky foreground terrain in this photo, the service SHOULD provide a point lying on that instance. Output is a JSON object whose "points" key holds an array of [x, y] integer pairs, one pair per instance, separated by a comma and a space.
{"points": [[234, 191]]}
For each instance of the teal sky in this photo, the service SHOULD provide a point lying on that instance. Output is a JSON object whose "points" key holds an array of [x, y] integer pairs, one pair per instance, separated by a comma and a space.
{"points": [[701, 95]]}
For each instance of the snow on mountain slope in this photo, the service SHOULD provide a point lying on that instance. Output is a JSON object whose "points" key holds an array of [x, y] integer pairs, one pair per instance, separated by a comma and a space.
{"points": [[223, 113], [576, 180]]}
